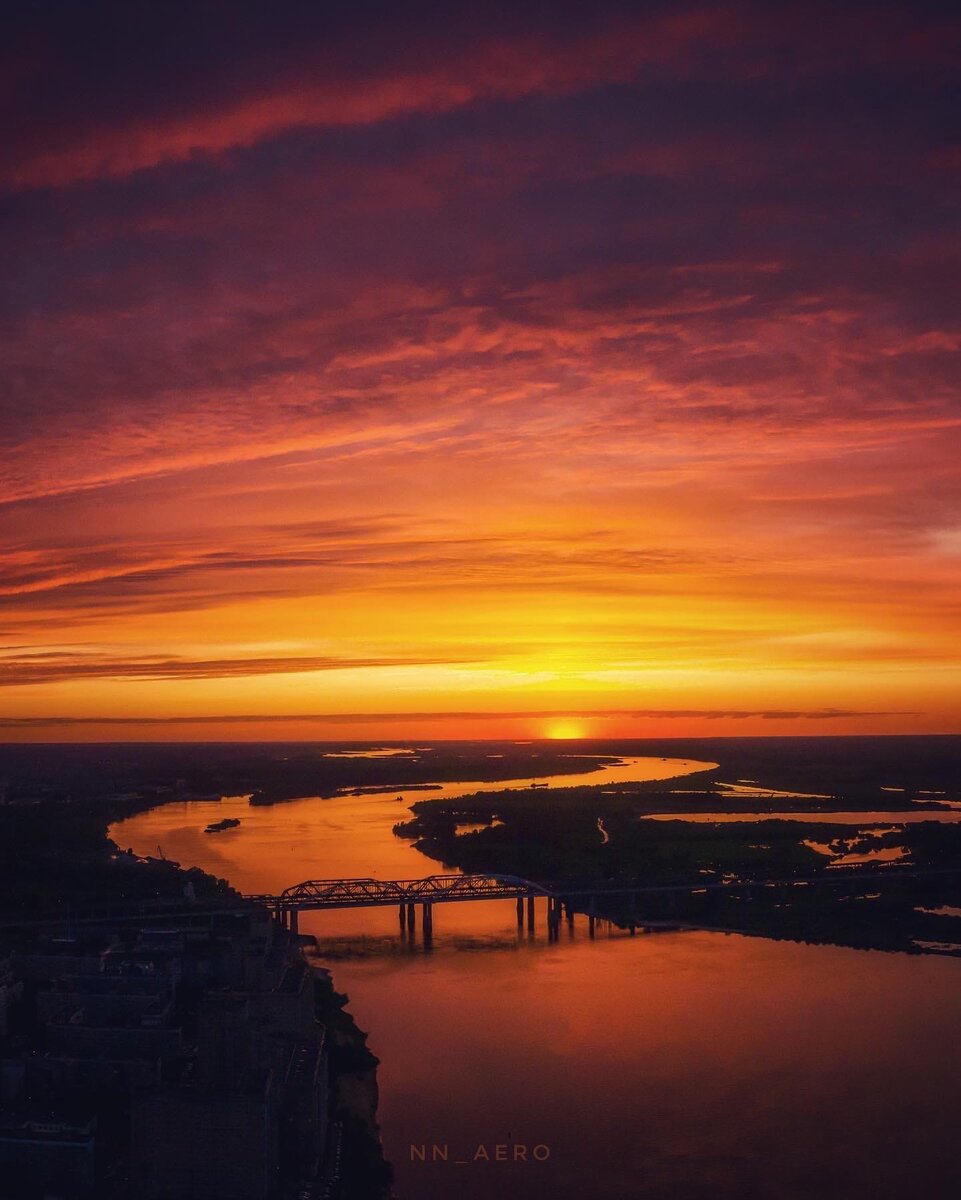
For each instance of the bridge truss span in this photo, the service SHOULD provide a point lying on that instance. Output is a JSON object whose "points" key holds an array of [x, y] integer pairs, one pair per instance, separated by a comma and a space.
{"points": [[369, 893]]}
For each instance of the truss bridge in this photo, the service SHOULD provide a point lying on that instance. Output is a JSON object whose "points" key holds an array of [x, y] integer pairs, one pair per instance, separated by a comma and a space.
{"points": [[316, 894], [406, 894]]}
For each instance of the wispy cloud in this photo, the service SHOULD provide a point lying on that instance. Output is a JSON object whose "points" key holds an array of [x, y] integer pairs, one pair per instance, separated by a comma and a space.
{"points": [[485, 356], [50, 666]]}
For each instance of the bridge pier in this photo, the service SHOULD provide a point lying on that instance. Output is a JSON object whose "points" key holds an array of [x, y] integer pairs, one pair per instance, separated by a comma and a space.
{"points": [[403, 917], [428, 917], [520, 912], [591, 921], [530, 913], [294, 921], [411, 916], [554, 913]]}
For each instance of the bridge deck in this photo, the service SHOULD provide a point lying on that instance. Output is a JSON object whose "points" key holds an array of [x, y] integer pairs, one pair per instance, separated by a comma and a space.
{"points": [[371, 893]]}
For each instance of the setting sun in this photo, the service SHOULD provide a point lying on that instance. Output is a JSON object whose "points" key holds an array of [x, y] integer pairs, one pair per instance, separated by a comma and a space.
{"points": [[564, 730]]}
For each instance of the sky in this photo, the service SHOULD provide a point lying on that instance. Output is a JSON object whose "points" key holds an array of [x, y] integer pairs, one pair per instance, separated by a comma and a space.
{"points": [[486, 370]]}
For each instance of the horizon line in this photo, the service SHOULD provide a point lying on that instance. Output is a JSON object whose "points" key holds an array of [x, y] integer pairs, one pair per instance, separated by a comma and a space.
{"points": [[39, 722]]}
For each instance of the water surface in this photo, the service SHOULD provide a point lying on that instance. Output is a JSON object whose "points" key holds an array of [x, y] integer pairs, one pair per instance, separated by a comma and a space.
{"points": [[670, 1065], [345, 836]]}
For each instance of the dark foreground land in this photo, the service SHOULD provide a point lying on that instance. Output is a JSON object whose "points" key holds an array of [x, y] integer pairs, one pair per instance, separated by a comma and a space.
{"points": [[159, 1056], [179, 1044]]}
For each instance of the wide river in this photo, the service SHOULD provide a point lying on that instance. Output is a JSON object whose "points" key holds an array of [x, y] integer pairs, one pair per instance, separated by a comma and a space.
{"points": [[679, 1065]]}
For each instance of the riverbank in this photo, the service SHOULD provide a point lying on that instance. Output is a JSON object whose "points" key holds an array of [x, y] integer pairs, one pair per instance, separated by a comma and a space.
{"points": [[57, 866], [872, 883]]}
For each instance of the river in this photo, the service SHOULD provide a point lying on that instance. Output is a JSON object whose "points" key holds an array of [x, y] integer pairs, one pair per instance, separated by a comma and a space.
{"points": [[675, 1064]]}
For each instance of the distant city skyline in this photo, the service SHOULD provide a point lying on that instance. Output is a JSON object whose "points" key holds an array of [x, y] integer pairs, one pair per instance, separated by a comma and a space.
{"points": [[500, 372]]}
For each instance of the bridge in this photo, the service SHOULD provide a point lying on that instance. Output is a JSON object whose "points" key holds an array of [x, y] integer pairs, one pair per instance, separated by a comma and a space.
{"points": [[406, 894], [585, 896], [316, 894]]}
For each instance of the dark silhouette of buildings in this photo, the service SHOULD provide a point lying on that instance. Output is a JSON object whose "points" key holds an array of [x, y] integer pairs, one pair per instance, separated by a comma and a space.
{"points": [[181, 1063]]}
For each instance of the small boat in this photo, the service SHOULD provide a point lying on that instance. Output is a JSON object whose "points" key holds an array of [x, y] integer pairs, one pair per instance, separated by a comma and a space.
{"points": [[226, 823]]}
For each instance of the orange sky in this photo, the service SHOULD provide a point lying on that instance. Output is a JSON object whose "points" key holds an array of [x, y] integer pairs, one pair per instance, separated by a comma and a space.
{"points": [[475, 371]]}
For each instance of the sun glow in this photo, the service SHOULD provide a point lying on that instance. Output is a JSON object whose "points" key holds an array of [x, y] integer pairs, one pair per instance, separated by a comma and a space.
{"points": [[447, 478], [565, 729]]}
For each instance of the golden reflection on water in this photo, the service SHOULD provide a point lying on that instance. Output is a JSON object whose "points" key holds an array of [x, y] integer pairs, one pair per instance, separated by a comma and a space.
{"points": [[343, 837], [681, 1065], [675, 1064]]}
